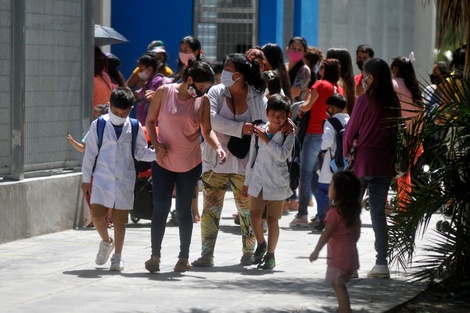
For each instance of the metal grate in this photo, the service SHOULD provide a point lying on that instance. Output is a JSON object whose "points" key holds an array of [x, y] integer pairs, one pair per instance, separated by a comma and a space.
{"points": [[225, 26]]}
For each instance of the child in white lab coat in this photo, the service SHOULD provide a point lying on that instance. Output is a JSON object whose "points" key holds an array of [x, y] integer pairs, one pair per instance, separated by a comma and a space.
{"points": [[111, 166]]}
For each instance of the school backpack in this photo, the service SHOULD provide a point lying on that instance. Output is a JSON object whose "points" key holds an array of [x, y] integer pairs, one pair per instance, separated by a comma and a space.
{"points": [[293, 165], [101, 124], [338, 162]]}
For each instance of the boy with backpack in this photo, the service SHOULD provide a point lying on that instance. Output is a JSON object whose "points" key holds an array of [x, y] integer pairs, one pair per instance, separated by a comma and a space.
{"points": [[332, 148], [267, 178], [113, 143]]}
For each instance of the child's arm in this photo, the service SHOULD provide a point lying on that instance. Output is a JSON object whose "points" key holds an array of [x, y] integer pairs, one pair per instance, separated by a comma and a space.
{"points": [[76, 145], [325, 236]]}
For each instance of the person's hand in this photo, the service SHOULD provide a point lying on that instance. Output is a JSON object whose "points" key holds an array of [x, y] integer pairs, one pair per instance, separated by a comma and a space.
{"points": [[149, 95], [288, 127], [86, 189], [261, 133], [221, 153], [313, 256], [245, 191], [248, 129], [70, 138], [161, 151]]}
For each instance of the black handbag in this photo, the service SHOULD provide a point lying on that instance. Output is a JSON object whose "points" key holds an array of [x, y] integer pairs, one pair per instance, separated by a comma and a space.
{"points": [[239, 147]]}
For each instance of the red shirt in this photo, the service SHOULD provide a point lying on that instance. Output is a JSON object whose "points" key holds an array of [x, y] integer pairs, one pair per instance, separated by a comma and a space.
{"points": [[318, 109]]}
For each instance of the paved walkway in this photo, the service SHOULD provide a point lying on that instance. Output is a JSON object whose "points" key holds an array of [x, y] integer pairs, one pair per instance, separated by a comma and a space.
{"points": [[57, 273]]}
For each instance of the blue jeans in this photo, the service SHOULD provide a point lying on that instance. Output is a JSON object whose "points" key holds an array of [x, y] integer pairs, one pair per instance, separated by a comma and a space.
{"points": [[378, 192], [163, 182], [308, 171], [322, 200]]}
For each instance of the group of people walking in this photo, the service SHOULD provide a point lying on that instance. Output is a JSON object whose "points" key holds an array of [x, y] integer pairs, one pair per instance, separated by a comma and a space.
{"points": [[247, 124]]}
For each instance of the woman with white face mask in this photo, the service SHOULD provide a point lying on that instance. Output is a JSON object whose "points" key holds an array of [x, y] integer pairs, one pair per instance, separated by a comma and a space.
{"points": [[235, 104], [148, 73]]}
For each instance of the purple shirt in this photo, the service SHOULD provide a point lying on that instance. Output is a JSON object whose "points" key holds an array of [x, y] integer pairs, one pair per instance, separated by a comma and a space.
{"points": [[376, 139]]}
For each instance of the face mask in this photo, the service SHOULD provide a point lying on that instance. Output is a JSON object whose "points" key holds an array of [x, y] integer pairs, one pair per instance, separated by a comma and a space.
{"points": [[295, 56], [360, 64], [194, 92], [226, 78], [116, 120], [143, 75], [364, 84], [435, 79], [184, 57]]}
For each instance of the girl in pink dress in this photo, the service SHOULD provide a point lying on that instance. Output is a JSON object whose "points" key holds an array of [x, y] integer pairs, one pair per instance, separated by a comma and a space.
{"points": [[342, 231]]}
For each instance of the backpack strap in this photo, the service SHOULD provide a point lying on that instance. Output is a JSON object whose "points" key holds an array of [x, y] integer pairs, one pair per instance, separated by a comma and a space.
{"points": [[100, 125], [256, 153], [135, 131], [336, 123]]}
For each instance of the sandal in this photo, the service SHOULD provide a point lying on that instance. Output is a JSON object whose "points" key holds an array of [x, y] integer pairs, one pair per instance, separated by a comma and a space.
{"points": [[182, 265]]}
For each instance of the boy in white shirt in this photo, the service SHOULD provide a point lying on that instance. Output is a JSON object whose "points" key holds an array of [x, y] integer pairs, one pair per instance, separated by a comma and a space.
{"points": [[336, 104], [111, 165], [267, 178]]}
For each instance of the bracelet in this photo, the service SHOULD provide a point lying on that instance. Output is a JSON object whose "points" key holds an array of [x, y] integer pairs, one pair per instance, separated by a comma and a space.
{"points": [[219, 145]]}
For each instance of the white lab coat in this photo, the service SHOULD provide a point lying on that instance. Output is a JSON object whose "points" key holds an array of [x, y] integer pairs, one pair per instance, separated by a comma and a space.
{"points": [[270, 173], [114, 175]]}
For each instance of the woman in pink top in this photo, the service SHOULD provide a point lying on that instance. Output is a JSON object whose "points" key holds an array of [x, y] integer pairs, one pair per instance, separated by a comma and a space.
{"points": [[342, 231], [179, 110]]}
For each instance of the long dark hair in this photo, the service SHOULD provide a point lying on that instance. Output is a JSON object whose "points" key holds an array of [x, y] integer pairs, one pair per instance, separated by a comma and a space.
{"points": [[249, 70], [199, 71], [346, 74], [331, 70], [381, 89], [347, 191], [407, 72], [275, 58]]}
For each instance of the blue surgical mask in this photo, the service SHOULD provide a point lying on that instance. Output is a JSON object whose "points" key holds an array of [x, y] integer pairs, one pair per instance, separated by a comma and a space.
{"points": [[226, 78]]}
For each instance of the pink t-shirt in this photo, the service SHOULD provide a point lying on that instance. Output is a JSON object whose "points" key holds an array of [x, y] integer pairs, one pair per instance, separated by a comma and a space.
{"points": [[342, 245], [178, 123]]}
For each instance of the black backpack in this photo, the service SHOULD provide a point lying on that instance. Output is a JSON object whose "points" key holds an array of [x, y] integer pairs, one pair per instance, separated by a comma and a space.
{"points": [[293, 166], [338, 162]]}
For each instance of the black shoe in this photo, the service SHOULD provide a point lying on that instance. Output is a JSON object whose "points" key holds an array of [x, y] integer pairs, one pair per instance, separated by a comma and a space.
{"points": [[259, 253], [320, 226], [268, 262]]}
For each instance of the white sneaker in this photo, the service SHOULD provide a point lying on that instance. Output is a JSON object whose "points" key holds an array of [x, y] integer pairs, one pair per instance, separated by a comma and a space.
{"points": [[117, 263], [299, 221], [103, 253], [379, 271]]}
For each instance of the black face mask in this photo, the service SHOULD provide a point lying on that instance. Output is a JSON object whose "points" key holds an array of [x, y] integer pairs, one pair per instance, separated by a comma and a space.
{"points": [[435, 79], [194, 92], [360, 64]]}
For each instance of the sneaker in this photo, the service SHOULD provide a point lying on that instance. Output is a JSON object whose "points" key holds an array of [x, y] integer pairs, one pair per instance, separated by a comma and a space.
{"points": [[268, 263], [182, 265], [259, 253], [204, 261], [379, 271], [117, 263], [320, 226], [105, 250], [301, 221], [153, 264], [245, 259]]}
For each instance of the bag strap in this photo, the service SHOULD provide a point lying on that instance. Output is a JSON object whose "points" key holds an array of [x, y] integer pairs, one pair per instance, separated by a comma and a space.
{"points": [[256, 153], [336, 123], [135, 130], [100, 125]]}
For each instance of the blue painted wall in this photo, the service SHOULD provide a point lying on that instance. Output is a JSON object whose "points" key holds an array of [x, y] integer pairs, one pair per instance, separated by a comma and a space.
{"points": [[146, 20], [270, 22], [306, 20]]}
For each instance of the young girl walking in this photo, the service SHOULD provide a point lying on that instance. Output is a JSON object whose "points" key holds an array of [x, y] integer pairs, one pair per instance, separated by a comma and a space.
{"points": [[342, 231]]}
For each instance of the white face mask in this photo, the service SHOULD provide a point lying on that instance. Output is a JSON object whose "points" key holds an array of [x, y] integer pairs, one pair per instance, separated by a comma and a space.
{"points": [[116, 120], [143, 75], [226, 78]]}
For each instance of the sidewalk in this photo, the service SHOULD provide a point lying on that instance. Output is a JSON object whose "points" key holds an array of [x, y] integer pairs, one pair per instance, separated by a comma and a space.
{"points": [[57, 273]]}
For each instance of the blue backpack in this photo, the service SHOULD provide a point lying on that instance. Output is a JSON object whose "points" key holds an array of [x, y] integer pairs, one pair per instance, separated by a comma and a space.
{"points": [[101, 124]]}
